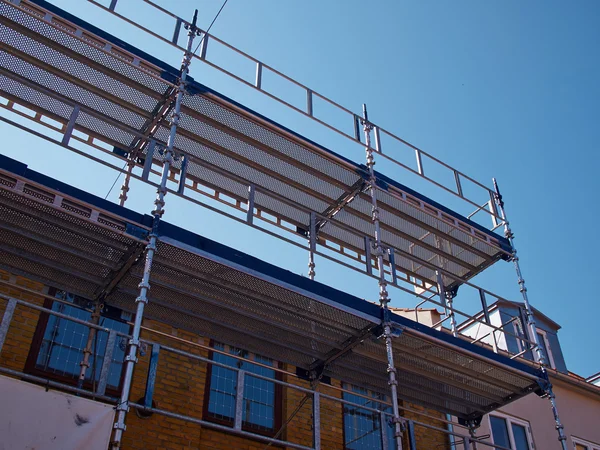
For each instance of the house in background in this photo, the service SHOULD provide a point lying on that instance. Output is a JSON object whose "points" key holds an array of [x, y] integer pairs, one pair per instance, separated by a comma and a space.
{"points": [[594, 379], [510, 317], [524, 423]]}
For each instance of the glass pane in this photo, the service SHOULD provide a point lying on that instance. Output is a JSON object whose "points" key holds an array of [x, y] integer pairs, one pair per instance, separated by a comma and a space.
{"points": [[61, 350], [259, 398], [223, 381], [580, 447], [259, 394], [362, 427], [520, 436], [500, 431], [543, 347]]}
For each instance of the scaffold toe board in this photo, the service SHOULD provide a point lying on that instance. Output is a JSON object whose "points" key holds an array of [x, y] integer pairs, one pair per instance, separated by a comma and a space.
{"points": [[94, 85], [67, 238]]}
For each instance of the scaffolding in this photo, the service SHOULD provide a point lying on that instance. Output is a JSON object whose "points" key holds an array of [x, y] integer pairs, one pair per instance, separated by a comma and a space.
{"points": [[111, 102]]}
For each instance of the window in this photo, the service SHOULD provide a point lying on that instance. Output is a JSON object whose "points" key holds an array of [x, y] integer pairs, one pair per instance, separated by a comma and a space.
{"points": [[510, 432], [262, 398], [545, 345], [362, 427], [58, 343], [543, 339], [580, 444]]}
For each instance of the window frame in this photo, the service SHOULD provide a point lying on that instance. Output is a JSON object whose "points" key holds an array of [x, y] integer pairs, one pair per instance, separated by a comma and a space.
{"points": [[543, 334], [36, 346], [509, 421], [278, 400], [348, 389], [587, 444]]}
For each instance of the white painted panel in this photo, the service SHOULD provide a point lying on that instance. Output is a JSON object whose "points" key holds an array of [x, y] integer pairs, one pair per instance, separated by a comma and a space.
{"points": [[32, 418]]}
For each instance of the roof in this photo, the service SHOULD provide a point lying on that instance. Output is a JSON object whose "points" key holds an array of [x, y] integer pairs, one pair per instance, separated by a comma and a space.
{"points": [[70, 239]]}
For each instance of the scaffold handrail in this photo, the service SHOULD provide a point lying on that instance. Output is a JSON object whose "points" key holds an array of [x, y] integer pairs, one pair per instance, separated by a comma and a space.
{"points": [[308, 111]]}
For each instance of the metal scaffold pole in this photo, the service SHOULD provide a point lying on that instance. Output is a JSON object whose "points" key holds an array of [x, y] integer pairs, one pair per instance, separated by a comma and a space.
{"points": [[383, 293], [142, 299], [90, 347], [538, 352]]}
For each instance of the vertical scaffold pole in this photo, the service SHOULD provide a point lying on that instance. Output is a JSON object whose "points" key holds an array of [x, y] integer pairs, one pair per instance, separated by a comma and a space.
{"points": [[312, 245], [87, 352], [383, 294], [447, 297], [125, 185], [142, 299], [538, 353]]}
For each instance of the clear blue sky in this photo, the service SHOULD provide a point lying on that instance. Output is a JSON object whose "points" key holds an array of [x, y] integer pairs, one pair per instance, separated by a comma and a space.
{"points": [[497, 89]]}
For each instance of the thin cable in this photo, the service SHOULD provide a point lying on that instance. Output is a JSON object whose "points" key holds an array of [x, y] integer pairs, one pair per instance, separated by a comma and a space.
{"points": [[315, 385], [300, 405], [210, 26], [115, 182]]}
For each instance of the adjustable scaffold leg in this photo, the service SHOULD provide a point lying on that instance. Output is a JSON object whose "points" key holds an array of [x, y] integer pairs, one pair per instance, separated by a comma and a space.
{"points": [[142, 299], [383, 294], [538, 353]]}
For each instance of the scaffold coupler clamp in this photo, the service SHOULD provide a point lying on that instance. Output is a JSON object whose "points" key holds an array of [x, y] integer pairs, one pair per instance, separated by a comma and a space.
{"points": [[544, 385], [402, 422], [120, 425]]}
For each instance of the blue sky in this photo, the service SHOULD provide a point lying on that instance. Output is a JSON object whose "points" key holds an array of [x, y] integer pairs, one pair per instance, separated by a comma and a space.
{"points": [[496, 89]]}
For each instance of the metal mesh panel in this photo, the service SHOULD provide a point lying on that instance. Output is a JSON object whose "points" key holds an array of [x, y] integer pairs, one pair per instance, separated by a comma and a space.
{"points": [[354, 240], [212, 330], [467, 363], [267, 137], [437, 223], [267, 161], [71, 90], [75, 69], [49, 275], [201, 294], [402, 359], [336, 318], [85, 47], [244, 170], [51, 254], [45, 231], [114, 242], [34, 97]]}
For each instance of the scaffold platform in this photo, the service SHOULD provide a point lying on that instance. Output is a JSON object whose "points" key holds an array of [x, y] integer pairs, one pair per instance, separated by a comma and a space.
{"points": [[62, 236], [116, 98]]}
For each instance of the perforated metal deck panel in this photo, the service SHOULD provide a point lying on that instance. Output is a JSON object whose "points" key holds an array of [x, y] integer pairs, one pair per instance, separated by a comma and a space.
{"points": [[51, 62], [74, 241]]}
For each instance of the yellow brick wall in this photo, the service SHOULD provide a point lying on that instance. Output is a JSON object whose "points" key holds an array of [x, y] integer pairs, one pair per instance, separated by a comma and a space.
{"points": [[24, 322], [180, 387], [426, 437]]}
